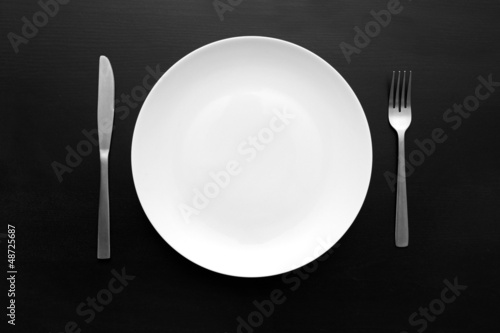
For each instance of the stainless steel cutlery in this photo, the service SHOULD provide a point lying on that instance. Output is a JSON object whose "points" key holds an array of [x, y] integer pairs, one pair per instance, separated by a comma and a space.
{"points": [[105, 115], [400, 119]]}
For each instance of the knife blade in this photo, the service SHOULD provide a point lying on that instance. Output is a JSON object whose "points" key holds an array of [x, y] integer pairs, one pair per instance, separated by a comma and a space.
{"points": [[105, 116]]}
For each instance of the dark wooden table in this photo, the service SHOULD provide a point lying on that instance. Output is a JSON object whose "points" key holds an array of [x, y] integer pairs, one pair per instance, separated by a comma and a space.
{"points": [[49, 169]]}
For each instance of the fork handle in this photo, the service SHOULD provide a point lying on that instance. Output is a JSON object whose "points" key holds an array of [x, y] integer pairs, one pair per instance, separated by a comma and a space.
{"points": [[103, 239], [401, 201]]}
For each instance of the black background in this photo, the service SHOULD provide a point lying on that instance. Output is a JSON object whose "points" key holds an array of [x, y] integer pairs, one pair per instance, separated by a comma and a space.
{"points": [[49, 95]]}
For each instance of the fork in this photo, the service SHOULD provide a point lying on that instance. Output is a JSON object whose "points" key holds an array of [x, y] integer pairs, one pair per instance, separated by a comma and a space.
{"points": [[400, 119]]}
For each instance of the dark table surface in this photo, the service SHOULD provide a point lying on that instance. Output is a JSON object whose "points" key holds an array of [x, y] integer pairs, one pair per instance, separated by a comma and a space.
{"points": [[48, 87]]}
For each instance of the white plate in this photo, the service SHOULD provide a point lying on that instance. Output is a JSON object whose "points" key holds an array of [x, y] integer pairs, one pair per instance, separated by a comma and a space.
{"points": [[251, 156]]}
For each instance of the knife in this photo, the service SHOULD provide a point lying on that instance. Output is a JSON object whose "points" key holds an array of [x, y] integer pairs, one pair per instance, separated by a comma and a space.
{"points": [[105, 115]]}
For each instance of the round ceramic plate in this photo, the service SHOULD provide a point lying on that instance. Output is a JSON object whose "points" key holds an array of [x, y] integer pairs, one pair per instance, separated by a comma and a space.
{"points": [[251, 156]]}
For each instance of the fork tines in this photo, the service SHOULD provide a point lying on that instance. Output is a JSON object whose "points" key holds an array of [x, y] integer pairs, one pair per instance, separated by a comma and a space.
{"points": [[405, 94]]}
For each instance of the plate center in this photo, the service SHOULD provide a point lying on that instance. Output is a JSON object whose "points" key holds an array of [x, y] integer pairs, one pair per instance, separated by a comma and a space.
{"points": [[253, 165]]}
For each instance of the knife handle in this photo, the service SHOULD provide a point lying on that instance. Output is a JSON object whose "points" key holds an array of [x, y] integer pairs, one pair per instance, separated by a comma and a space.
{"points": [[103, 239]]}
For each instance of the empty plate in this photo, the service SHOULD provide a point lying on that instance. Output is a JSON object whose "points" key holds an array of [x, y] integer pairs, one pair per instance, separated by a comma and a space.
{"points": [[251, 156]]}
